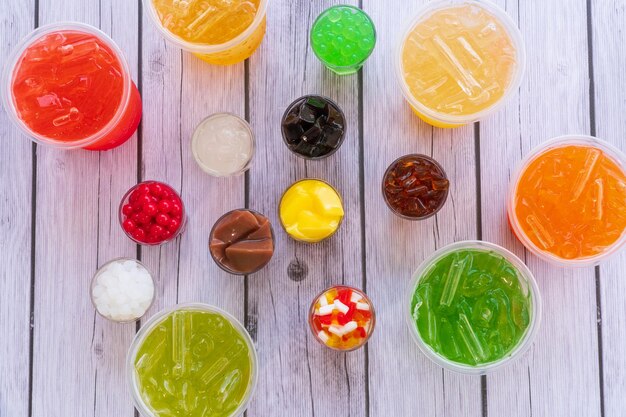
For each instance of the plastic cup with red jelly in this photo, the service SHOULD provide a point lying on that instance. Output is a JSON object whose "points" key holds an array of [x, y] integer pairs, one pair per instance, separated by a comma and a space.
{"points": [[342, 318], [152, 213], [415, 187], [68, 85]]}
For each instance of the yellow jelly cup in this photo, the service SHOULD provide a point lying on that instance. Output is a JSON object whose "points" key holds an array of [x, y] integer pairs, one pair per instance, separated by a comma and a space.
{"points": [[313, 229], [234, 51], [444, 120]]}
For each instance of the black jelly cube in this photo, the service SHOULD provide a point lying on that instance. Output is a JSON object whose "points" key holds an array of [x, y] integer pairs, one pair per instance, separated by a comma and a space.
{"points": [[332, 136], [335, 117], [303, 148], [307, 113], [313, 135]]}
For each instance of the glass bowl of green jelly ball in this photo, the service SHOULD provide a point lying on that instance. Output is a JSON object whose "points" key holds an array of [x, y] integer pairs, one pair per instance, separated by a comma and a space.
{"points": [[192, 360], [473, 307], [343, 37]]}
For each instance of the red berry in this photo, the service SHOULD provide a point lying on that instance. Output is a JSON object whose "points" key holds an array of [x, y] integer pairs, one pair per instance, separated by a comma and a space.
{"points": [[165, 206], [176, 209], [135, 218], [127, 209], [137, 207], [144, 199], [134, 196], [139, 234], [166, 234], [144, 218], [150, 209], [156, 189], [173, 225], [162, 219], [129, 225], [156, 230], [144, 189]]}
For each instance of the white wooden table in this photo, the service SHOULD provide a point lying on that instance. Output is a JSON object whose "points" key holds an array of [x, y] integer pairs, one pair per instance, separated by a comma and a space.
{"points": [[58, 221]]}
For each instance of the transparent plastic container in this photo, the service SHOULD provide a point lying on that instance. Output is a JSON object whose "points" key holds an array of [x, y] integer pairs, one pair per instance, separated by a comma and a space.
{"points": [[231, 52], [527, 281], [131, 375], [226, 268], [199, 139], [615, 154], [94, 281], [310, 240], [171, 195], [446, 120], [123, 123], [372, 320]]}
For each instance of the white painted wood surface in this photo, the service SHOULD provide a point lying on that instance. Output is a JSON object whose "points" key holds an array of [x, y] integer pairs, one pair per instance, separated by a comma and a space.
{"points": [[71, 362]]}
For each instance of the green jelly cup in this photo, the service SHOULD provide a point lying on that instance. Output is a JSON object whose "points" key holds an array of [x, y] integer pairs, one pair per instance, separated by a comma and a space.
{"points": [[527, 282], [154, 321], [343, 37]]}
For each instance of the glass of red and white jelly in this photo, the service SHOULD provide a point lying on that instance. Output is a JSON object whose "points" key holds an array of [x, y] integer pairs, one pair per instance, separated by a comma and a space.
{"points": [[152, 213], [342, 318], [68, 85]]}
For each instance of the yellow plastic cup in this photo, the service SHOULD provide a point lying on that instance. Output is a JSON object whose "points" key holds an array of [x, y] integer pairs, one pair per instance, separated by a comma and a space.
{"points": [[234, 51], [443, 120]]}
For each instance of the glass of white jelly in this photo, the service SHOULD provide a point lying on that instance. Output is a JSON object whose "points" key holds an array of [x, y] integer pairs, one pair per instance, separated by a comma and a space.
{"points": [[122, 290], [223, 145]]}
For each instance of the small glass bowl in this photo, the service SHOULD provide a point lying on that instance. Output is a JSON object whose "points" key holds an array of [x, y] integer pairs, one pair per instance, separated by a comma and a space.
{"points": [[527, 280], [131, 376], [364, 298], [388, 172], [95, 278], [173, 194], [583, 140], [302, 240], [196, 138], [223, 267], [297, 102]]}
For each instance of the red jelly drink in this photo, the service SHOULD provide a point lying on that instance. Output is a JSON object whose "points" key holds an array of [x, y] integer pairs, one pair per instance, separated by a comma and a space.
{"points": [[68, 85]]}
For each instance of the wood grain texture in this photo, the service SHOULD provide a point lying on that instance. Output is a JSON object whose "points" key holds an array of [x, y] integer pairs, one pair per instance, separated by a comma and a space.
{"points": [[609, 61], [15, 238], [78, 362], [179, 91], [298, 376], [78, 358], [560, 374], [395, 247]]}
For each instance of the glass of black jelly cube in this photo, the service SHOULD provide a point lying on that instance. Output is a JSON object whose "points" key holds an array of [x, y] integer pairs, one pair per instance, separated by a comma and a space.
{"points": [[313, 127]]}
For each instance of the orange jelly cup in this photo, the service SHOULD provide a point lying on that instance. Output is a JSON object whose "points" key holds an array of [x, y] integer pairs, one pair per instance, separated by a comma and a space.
{"points": [[68, 85], [567, 201]]}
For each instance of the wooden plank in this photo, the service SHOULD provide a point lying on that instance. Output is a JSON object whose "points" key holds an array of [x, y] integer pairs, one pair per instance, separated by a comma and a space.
{"points": [[79, 357], [559, 375], [298, 376], [117, 169], [15, 238], [609, 60], [401, 379], [179, 90]]}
